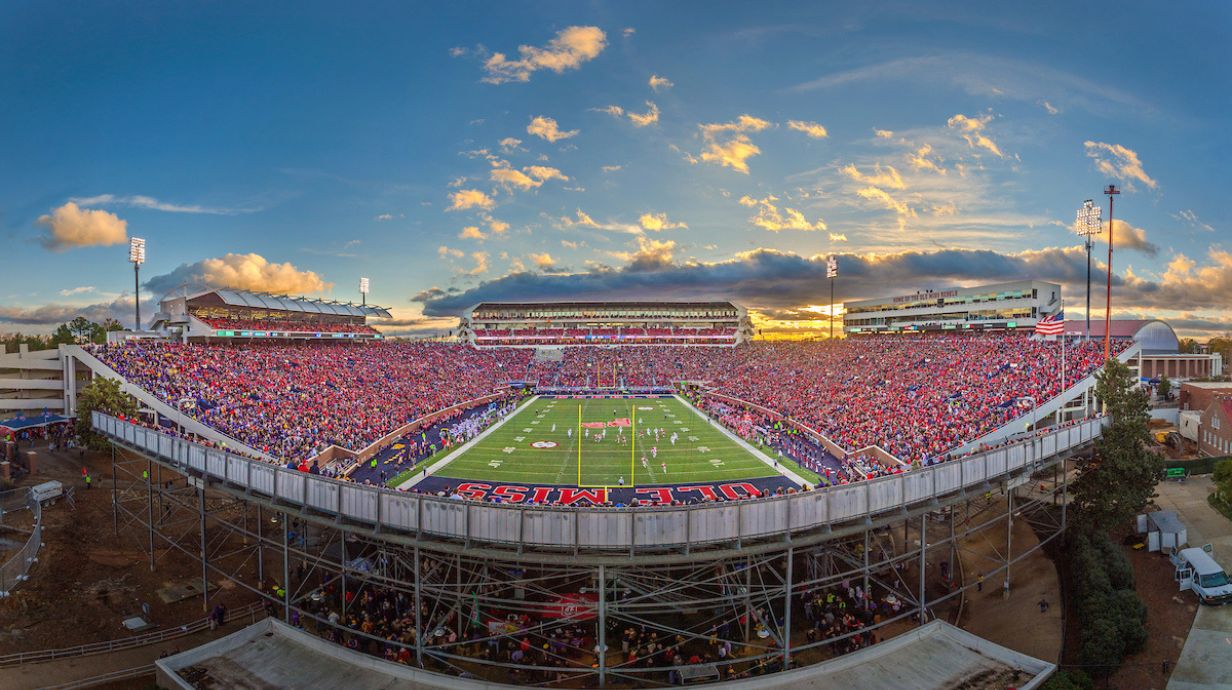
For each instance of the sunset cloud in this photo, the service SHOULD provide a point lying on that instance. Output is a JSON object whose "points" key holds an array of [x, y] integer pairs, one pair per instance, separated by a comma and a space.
{"points": [[470, 198], [887, 177], [972, 130], [472, 232], [546, 128], [771, 217], [543, 260], [70, 226], [656, 222], [241, 272], [572, 47], [920, 160], [728, 144], [812, 129], [1118, 161], [658, 83]]}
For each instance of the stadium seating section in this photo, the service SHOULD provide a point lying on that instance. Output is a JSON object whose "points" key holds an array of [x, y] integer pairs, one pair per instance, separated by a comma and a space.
{"points": [[914, 396]]}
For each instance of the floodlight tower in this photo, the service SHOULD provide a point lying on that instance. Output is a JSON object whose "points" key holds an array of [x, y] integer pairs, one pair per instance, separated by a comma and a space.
{"points": [[363, 291], [136, 255], [832, 273], [1111, 191], [1087, 225]]}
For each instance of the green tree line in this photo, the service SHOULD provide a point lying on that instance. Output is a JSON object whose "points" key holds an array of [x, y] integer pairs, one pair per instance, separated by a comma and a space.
{"points": [[79, 331]]}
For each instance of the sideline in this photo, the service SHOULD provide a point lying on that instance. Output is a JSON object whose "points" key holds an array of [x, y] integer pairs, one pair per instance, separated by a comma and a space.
{"points": [[461, 450], [776, 466]]}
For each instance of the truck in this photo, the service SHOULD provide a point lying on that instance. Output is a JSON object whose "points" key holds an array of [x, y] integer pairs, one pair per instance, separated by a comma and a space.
{"points": [[1196, 570]]}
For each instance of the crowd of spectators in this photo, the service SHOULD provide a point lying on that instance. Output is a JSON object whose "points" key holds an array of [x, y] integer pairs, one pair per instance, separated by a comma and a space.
{"points": [[289, 326], [915, 397]]}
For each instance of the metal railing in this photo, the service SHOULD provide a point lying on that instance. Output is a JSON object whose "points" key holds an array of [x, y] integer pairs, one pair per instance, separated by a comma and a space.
{"points": [[16, 569], [253, 612], [602, 529]]}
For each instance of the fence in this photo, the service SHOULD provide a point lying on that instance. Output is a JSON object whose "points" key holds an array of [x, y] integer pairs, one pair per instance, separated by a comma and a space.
{"points": [[253, 612], [15, 570], [646, 529]]}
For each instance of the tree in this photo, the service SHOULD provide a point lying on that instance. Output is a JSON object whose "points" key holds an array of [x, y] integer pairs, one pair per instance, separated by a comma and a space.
{"points": [[63, 335], [1223, 480], [1187, 346], [81, 327], [1165, 386], [104, 395], [1118, 480]]}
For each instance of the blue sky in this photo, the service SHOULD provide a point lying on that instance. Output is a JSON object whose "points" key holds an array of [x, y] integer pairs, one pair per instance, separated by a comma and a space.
{"points": [[455, 152]]}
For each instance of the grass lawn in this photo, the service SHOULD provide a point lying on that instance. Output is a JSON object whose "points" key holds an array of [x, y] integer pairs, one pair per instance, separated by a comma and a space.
{"points": [[554, 441]]}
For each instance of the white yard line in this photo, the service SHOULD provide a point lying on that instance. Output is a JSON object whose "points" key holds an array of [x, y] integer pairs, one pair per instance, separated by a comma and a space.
{"points": [[776, 466], [420, 476]]}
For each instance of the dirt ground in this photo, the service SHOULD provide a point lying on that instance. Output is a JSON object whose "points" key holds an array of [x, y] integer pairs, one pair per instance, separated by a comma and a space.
{"points": [[88, 580]]}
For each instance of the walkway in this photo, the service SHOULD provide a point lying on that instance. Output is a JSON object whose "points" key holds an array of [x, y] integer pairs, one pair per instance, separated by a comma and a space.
{"points": [[1205, 660]]}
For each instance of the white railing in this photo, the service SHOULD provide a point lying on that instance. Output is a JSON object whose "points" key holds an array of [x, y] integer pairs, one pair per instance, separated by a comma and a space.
{"points": [[594, 528]]}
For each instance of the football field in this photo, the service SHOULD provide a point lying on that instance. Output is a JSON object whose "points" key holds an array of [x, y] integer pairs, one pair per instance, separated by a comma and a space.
{"points": [[605, 443]]}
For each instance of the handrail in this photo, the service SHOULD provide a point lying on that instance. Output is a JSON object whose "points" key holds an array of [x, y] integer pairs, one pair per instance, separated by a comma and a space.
{"points": [[628, 529], [15, 570], [108, 646]]}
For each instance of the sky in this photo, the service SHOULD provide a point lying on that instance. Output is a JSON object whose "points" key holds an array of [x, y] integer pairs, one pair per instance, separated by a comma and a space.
{"points": [[461, 152]]}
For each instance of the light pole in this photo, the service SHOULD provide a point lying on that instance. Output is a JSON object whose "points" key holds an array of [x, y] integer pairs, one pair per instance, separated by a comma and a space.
{"points": [[832, 273], [1088, 224], [136, 255], [1111, 191], [363, 291]]}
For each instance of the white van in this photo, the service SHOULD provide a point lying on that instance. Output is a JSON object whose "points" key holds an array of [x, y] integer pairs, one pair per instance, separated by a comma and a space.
{"points": [[1196, 570]]}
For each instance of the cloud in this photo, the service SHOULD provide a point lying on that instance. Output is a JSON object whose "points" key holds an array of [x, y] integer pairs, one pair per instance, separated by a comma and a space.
{"points": [[546, 128], [1191, 219], [1129, 237], [543, 260], [120, 308], [727, 143], [883, 133], [510, 144], [1123, 163], [650, 117], [448, 252], [472, 232], [69, 292], [610, 168], [651, 254], [889, 177], [470, 198], [770, 217], [883, 197], [583, 220], [241, 272], [384, 217], [481, 263], [628, 31], [658, 83], [152, 204], [1050, 108], [838, 237], [812, 129], [529, 177], [572, 47], [71, 226], [494, 225], [920, 160], [972, 130], [656, 222]]}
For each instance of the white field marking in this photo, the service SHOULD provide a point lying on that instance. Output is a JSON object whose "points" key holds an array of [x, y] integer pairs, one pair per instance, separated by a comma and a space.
{"points": [[527, 430], [684, 429], [419, 476], [694, 439], [780, 468], [508, 449], [703, 449], [534, 421], [519, 439]]}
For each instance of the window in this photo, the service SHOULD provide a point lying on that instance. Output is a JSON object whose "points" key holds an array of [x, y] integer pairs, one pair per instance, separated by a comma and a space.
{"points": [[1215, 422]]}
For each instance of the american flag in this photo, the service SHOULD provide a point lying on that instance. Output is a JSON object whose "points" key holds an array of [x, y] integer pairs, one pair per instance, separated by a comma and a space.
{"points": [[1053, 324]]}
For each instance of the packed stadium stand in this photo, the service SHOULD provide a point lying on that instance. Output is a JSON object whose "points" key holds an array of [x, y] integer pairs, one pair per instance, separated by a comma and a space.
{"points": [[606, 323], [240, 315], [914, 397]]}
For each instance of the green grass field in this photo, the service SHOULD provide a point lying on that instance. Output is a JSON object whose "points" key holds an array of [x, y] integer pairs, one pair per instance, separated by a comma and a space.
{"points": [[569, 454]]}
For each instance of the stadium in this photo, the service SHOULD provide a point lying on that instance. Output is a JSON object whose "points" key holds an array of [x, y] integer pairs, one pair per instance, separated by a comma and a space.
{"points": [[565, 478], [614, 345]]}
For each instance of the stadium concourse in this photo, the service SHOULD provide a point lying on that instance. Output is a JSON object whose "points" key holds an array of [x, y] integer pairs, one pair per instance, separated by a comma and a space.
{"points": [[886, 403]]}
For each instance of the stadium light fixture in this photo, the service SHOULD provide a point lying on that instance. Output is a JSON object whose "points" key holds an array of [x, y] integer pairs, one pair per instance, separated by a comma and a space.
{"points": [[363, 291], [1088, 224], [136, 256], [832, 273], [1111, 191]]}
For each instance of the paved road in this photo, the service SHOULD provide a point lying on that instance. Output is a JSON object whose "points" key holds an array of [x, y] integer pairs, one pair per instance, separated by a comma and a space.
{"points": [[1206, 660]]}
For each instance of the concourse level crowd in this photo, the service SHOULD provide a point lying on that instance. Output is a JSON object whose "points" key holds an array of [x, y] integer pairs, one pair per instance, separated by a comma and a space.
{"points": [[916, 396]]}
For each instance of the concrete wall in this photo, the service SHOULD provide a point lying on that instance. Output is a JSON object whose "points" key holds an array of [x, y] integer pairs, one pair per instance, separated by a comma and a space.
{"points": [[30, 381]]}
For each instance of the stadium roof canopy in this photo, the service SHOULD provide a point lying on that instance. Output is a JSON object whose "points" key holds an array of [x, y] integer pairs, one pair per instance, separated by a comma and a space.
{"points": [[271, 653], [261, 300]]}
